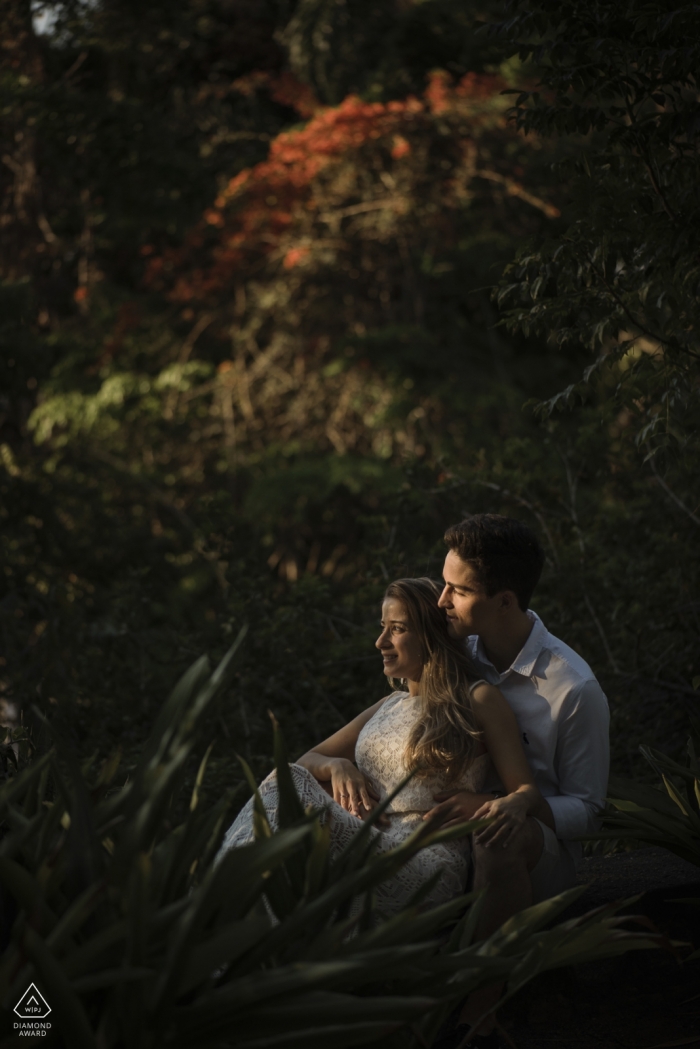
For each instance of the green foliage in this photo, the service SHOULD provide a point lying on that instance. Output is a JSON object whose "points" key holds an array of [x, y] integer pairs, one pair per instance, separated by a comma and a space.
{"points": [[137, 934], [275, 452], [381, 50], [622, 277], [668, 816]]}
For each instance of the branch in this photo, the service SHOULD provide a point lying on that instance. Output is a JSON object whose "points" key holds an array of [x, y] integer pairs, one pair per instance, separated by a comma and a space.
{"points": [[76, 66], [634, 320], [671, 494], [395, 202], [650, 171], [45, 227], [514, 189], [601, 632], [187, 346]]}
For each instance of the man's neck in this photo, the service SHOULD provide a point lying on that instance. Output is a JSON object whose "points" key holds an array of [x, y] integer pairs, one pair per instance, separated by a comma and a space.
{"points": [[505, 645]]}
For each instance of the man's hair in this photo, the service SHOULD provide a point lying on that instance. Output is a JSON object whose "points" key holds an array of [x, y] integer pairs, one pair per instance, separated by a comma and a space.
{"points": [[503, 552]]}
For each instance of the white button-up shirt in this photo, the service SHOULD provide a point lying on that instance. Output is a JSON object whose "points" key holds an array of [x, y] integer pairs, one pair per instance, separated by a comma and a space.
{"points": [[564, 720]]}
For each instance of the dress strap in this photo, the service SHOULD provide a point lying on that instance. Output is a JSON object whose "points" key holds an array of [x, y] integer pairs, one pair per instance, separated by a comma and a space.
{"points": [[481, 681]]}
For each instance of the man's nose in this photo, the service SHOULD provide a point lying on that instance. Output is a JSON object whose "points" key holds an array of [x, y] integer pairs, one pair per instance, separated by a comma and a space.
{"points": [[444, 599]]}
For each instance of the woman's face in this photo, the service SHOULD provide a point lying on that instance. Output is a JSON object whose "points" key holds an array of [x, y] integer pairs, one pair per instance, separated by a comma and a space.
{"points": [[399, 645]]}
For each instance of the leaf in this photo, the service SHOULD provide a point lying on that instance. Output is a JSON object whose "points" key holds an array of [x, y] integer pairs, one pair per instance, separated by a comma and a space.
{"points": [[14, 789], [328, 1008], [110, 978], [261, 824], [290, 811], [194, 800], [72, 921], [225, 946], [167, 722], [27, 892], [109, 769], [340, 1036], [214, 1011], [243, 867], [101, 950], [290, 808]]}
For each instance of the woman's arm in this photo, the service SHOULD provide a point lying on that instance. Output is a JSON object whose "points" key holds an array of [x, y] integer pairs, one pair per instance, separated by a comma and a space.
{"points": [[332, 761], [502, 740]]}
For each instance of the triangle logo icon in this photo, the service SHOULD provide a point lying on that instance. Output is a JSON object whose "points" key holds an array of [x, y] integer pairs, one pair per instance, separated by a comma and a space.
{"points": [[32, 1005]]}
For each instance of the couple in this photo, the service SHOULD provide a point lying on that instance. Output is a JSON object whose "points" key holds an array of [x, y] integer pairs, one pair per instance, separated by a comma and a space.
{"points": [[496, 717]]}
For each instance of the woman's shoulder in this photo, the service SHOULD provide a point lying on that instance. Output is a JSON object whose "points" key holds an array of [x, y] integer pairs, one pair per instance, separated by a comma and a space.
{"points": [[384, 704], [392, 699], [486, 698]]}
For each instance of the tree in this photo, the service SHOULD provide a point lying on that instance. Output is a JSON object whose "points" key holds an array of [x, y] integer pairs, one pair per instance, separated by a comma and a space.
{"points": [[622, 278], [258, 371]]}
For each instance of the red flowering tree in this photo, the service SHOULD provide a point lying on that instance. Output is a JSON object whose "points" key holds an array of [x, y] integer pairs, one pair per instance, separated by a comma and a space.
{"points": [[322, 263]]}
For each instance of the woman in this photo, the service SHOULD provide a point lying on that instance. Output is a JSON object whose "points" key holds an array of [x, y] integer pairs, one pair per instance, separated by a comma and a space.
{"points": [[445, 725]]}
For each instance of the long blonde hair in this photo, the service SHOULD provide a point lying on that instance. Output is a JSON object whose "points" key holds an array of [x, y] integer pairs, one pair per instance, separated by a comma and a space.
{"points": [[445, 738]]}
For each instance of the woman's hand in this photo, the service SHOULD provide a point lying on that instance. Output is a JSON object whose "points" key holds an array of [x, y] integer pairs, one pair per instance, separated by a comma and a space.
{"points": [[509, 815], [351, 789]]}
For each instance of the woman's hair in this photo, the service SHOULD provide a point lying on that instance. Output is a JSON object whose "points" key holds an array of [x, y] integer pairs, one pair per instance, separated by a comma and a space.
{"points": [[444, 739]]}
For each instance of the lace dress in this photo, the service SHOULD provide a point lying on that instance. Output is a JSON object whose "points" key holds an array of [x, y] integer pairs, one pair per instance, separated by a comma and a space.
{"points": [[379, 756]]}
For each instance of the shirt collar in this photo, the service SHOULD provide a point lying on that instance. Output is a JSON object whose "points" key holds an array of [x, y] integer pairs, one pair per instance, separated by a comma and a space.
{"points": [[524, 662]]}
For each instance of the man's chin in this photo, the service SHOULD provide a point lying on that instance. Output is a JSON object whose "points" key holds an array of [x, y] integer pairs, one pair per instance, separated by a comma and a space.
{"points": [[456, 629]]}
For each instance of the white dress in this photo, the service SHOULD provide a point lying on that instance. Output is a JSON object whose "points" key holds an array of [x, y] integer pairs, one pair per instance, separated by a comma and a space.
{"points": [[379, 756]]}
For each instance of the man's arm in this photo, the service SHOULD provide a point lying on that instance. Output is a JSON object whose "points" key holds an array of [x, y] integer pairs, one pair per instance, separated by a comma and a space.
{"points": [[581, 762]]}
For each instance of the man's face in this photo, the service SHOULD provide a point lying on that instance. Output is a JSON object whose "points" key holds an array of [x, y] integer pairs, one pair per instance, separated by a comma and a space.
{"points": [[468, 607]]}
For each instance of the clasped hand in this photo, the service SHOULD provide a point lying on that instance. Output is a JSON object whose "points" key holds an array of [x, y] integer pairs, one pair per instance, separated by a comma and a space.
{"points": [[508, 814], [352, 790]]}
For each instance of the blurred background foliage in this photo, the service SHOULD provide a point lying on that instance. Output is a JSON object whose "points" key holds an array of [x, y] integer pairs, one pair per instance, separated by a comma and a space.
{"points": [[251, 364]]}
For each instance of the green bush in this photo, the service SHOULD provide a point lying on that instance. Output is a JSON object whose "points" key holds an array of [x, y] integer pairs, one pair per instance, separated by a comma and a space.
{"points": [[667, 816], [138, 935]]}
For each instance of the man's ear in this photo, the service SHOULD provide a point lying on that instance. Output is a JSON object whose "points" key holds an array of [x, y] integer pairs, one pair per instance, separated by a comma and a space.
{"points": [[507, 601]]}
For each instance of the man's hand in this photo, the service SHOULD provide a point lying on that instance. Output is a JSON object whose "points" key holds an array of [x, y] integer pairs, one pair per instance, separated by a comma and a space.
{"points": [[509, 816], [456, 806]]}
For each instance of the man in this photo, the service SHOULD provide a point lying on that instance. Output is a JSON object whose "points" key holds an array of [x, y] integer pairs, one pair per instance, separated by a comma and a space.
{"points": [[492, 567]]}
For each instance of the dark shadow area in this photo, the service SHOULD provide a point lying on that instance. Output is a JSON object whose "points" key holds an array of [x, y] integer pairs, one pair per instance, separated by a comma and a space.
{"points": [[642, 1000]]}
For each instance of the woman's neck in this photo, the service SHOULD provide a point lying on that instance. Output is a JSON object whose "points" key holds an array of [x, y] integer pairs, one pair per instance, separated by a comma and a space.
{"points": [[413, 687]]}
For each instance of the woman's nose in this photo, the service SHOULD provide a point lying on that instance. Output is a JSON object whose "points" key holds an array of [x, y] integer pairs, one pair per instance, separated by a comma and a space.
{"points": [[382, 640]]}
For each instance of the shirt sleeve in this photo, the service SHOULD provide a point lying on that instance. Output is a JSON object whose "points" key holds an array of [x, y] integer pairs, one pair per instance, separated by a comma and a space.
{"points": [[582, 762]]}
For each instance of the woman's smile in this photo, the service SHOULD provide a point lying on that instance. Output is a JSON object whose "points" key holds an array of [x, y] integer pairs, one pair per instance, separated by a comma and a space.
{"points": [[399, 645]]}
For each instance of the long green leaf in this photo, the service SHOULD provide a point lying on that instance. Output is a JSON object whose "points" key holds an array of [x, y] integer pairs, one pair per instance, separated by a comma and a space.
{"points": [[216, 1009], [225, 946], [339, 1036], [290, 808], [27, 892], [72, 921], [111, 978], [15, 789], [243, 867]]}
